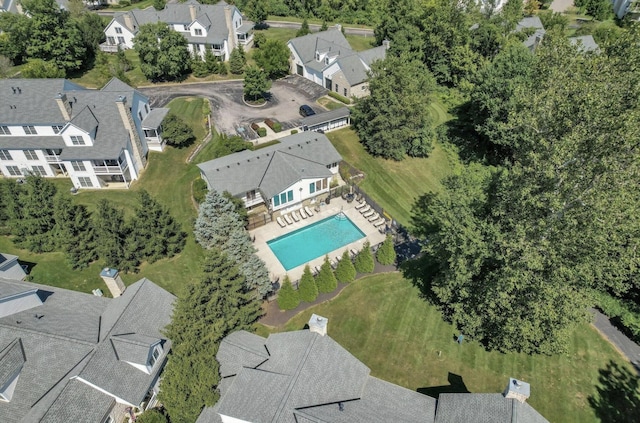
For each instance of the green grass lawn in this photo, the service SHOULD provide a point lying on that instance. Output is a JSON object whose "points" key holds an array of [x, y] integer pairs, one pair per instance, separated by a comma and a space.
{"points": [[395, 185], [99, 75], [329, 104], [168, 178], [357, 42], [382, 321]]}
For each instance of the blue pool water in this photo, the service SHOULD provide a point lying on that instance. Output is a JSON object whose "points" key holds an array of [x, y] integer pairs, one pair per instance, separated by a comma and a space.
{"points": [[305, 244]]}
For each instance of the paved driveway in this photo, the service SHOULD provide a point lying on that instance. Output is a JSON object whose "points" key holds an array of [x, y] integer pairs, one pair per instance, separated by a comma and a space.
{"points": [[231, 115]]}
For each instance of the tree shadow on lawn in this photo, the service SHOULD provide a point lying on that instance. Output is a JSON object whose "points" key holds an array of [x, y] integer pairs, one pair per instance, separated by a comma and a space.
{"points": [[456, 386], [618, 398]]}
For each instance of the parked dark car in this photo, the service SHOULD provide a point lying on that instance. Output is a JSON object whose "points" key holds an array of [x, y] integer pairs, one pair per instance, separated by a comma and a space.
{"points": [[306, 110]]}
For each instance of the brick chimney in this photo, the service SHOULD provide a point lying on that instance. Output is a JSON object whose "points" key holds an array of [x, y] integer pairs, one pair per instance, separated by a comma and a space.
{"points": [[318, 324], [127, 121], [517, 389], [65, 107], [192, 12], [228, 18], [112, 278]]}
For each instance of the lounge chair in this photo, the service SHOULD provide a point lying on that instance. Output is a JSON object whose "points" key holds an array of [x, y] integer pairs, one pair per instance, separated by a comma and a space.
{"points": [[353, 253], [380, 222], [369, 213], [366, 209], [287, 219], [280, 222], [308, 210], [374, 217], [317, 269], [361, 205], [302, 213], [295, 216]]}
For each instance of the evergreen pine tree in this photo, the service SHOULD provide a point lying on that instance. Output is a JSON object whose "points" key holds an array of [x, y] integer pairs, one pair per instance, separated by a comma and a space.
{"points": [[111, 233], [386, 254], [35, 221], [155, 234], [75, 233], [288, 298], [307, 289], [210, 309], [326, 280], [345, 272], [364, 260], [236, 62], [304, 29]]}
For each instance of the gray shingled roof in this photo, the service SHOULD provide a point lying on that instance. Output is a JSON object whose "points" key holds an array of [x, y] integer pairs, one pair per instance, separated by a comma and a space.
{"points": [[272, 169], [303, 378], [78, 403], [329, 40], [92, 110], [147, 311], [585, 43], [133, 347], [11, 360], [484, 408], [155, 118], [60, 340], [10, 268], [531, 22]]}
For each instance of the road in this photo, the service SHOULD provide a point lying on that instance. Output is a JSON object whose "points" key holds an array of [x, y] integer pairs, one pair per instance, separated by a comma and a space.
{"points": [[626, 346]]}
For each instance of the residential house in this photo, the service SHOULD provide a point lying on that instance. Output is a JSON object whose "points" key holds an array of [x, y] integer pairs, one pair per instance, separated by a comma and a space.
{"points": [[281, 176], [67, 356], [533, 29], [218, 28], [327, 59], [585, 43], [623, 8], [11, 268], [305, 376], [98, 138]]}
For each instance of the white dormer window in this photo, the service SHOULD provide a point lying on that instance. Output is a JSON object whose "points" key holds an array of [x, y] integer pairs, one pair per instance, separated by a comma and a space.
{"points": [[198, 31], [317, 56], [118, 30], [326, 60], [77, 140], [155, 354]]}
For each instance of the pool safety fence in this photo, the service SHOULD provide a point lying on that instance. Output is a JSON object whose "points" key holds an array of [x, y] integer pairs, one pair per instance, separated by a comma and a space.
{"points": [[258, 220], [349, 172]]}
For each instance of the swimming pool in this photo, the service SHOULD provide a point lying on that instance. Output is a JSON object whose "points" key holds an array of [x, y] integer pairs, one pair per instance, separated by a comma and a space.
{"points": [[305, 244]]}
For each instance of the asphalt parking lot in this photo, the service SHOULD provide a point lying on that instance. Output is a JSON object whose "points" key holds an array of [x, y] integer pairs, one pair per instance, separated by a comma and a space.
{"points": [[231, 115]]}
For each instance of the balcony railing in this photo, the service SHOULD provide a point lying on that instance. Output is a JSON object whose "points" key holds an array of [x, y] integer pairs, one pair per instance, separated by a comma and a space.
{"points": [[112, 48], [52, 159], [109, 170]]}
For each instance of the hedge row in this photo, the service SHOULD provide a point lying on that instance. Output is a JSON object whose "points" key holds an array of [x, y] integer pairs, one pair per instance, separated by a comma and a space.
{"points": [[275, 126], [339, 97]]}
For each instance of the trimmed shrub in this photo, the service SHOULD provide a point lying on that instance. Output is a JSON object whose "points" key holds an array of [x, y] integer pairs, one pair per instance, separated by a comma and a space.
{"points": [[152, 416], [294, 131], [364, 260], [339, 97], [307, 289], [345, 272], [262, 132], [199, 190], [386, 254], [277, 127], [124, 3], [624, 314], [326, 280], [288, 298]]}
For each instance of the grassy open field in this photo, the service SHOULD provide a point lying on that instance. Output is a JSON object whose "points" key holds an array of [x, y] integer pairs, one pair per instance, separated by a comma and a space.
{"points": [[168, 178], [382, 321], [394, 185]]}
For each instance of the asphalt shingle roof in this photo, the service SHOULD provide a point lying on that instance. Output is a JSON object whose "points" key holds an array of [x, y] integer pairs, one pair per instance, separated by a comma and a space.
{"points": [[585, 43], [484, 408], [77, 403], [272, 169], [11, 360], [155, 117]]}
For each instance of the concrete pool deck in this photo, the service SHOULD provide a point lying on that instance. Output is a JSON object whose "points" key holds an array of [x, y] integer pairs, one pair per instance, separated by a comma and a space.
{"points": [[273, 230]]}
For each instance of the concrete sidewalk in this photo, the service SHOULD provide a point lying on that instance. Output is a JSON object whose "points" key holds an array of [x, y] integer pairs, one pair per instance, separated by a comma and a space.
{"points": [[623, 344]]}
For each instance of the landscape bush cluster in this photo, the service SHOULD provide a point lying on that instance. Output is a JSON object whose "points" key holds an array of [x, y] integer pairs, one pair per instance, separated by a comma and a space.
{"points": [[273, 124], [326, 280], [339, 97]]}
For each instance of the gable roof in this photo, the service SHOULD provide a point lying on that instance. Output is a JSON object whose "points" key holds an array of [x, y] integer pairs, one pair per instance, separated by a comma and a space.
{"points": [[272, 169], [304, 377], [63, 345], [484, 408], [531, 22]]}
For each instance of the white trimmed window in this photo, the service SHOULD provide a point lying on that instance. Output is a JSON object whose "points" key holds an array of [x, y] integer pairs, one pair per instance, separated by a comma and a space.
{"points": [[120, 40], [77, 140], [56, 128], [4, 130], [78, 166], [38, 170], [29, 129], [31, 154], [14, 171], [85, 182], [198, 31], [5, 155], [155, 354], [118, 30]]}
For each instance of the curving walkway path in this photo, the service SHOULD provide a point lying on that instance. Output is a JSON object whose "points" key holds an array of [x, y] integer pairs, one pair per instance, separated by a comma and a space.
{"points": [[625, 346]]}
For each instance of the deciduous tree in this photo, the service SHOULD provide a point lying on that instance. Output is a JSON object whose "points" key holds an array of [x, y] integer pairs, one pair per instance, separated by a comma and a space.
{"points": [[394, 121], [176, 131], [163, 52], [273, 58]]}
